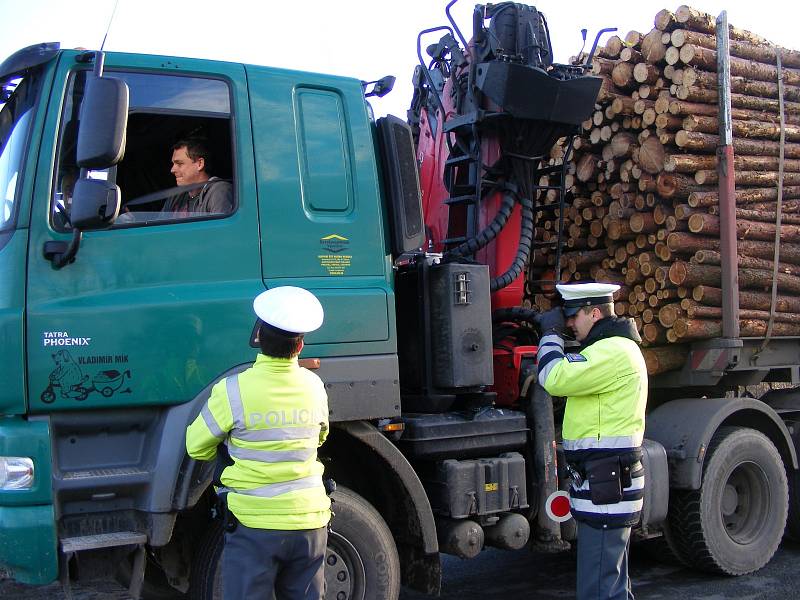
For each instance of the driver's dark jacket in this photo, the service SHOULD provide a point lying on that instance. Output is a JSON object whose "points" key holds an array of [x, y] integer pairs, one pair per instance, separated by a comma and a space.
{"points": [[215, 197]]}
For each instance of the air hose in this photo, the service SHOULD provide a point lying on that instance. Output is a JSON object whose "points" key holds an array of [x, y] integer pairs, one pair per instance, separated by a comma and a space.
{"points": [[472, 245], [523, 250]]}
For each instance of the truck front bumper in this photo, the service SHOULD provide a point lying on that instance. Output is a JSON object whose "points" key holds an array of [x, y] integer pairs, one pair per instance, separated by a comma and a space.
{"points": [[28, 541]]}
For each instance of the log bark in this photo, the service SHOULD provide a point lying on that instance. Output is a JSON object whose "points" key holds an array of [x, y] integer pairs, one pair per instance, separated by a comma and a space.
{"points": [[745, 230], [622, 144], [622, 76], [652, 48], [740, 85], [631, 55], [746, 197], [765, 53], [712, 296], [665, 20], [645, 72], [689, 275], [642, 222], [684, 109], [706, 59], [748, 178], [662, 359], [739, 101], [715, 312], [689, 243], [674, 185], [613, 47], [748, 129], [697, 20], [712, 257], [696, 329], [691, 163], [586, 167], [693, 140]]}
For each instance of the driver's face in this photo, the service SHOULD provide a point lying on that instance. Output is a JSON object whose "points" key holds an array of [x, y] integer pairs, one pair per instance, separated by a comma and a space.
{"points": [[186, 170]]}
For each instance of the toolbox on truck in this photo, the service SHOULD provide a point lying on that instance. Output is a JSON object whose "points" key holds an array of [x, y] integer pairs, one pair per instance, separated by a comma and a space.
{"points": [[463, 434], [482, 486]]}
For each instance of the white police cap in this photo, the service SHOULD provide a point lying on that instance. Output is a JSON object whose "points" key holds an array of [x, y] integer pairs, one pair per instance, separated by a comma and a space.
{"points": [[577, 295], [289, 308]]}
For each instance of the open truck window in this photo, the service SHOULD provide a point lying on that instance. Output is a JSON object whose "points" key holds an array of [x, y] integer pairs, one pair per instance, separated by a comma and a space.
{"points": [[164, 109]]}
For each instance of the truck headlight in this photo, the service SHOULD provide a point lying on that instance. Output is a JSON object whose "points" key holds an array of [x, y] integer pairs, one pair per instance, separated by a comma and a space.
{"points": [[16, 473]]}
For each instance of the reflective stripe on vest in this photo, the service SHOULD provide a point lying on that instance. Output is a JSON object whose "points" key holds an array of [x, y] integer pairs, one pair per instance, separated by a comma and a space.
{"points": [[625, 507], [276, 489], [278, 434], [235, 400], [637, 483], [616, 443], [211, 423], [272, 456]]}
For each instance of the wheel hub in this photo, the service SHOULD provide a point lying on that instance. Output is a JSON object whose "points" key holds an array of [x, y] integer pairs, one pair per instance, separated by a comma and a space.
{"points": [[344, 570], [743, 504]]}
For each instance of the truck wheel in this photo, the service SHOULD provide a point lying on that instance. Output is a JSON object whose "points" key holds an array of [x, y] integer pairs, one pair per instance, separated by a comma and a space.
{"points": [[205, 578], [361, 562], [734, 523]]}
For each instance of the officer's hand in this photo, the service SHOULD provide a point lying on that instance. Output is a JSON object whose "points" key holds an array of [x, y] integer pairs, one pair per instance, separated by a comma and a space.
{"points": [[551, 321]]}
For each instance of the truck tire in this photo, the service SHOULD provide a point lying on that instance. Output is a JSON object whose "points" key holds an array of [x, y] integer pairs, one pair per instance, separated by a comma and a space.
{"points": [[361, 562], [734, 523]]}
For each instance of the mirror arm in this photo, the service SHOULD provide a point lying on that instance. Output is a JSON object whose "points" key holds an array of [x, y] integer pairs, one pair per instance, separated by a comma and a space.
{"points": [[60, 254]]}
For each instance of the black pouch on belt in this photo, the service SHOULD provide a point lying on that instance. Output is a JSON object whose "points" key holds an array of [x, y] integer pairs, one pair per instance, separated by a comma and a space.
{"points": [[604, 475]]}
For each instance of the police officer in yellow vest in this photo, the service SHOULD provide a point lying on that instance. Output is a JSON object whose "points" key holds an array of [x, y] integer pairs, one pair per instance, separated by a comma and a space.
{"points": [[605, 384], [272, 417]]}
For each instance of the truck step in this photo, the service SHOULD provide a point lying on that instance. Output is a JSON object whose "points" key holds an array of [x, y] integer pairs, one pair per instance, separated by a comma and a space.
{"points": [[102, 540], [109, 472]]}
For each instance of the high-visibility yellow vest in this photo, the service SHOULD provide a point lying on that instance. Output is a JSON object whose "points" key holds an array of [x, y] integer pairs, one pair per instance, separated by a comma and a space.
{"points": [[272, 417], [606, 390]]}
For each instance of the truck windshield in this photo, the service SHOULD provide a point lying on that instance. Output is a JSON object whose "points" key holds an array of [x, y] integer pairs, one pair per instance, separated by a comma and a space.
{"points": [[17, 98]]}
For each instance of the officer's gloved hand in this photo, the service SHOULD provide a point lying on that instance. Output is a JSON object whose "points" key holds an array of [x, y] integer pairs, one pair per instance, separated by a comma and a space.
{"points": [[552, 321]]}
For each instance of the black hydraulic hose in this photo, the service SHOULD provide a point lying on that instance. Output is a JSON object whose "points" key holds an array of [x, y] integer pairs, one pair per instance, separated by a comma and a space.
{"points": [[516, 313], [523, 250], [472, 245]]}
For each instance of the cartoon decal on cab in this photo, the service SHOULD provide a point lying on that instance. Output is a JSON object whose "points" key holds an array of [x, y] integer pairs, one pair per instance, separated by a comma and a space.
{"points": [[67, 379]]}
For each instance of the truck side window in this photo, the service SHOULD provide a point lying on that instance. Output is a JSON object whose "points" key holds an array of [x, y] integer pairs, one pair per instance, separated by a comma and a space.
{"points": [[165, 110], [17, 97]]}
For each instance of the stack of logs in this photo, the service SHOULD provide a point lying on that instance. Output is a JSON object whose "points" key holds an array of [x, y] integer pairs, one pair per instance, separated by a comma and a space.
{"points": [[643, 203]]}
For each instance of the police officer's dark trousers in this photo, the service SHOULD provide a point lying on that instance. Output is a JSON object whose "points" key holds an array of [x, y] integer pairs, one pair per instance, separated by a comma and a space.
{"points": [[257, 561], [603, 563]]}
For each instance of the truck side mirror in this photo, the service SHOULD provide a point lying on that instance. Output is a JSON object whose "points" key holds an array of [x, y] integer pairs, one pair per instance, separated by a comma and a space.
{"points": [[95, 204], [103, 122]]}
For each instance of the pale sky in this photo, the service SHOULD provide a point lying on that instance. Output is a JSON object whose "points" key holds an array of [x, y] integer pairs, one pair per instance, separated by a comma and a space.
{"points": [[360, 38]]}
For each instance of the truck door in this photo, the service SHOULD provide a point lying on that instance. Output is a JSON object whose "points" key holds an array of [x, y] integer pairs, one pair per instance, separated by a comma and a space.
{"points": [[159, 305], [320, 206]]}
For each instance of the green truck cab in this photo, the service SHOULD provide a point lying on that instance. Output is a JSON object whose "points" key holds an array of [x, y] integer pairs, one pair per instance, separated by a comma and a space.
{"points": [[113, 336]]}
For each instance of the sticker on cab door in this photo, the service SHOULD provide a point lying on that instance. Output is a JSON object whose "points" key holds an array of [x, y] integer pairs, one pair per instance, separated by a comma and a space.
{"points": [[68, 380], [335, 260]]}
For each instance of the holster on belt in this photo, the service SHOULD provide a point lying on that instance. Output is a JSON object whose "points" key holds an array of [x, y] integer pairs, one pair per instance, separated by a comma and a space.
{"points": [[229, 520]]}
